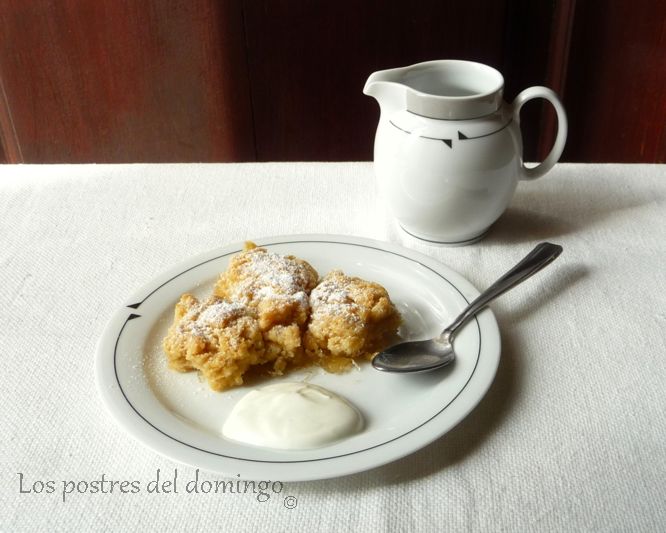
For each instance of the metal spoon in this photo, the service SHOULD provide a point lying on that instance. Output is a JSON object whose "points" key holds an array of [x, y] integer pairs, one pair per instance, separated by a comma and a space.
{"points": [[422, 356]]}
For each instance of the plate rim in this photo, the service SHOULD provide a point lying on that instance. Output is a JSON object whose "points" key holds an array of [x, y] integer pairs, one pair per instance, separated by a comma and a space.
{"points": [[136, 425]]}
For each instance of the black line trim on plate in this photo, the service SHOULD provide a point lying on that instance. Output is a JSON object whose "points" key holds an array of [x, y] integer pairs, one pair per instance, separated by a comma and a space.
{"points": [[136, 305], [476, 364]]}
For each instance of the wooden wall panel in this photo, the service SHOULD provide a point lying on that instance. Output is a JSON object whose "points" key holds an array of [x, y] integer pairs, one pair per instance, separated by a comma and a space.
{"points": [[616, 83], [309, 60], [241, 80], [125, 81], [529, 33], [10, 151]]}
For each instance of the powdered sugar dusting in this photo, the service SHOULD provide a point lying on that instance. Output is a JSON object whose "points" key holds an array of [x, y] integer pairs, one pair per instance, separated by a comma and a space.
{"points": [[270, 276], [219, 312], [331, 298], [201, 319]]}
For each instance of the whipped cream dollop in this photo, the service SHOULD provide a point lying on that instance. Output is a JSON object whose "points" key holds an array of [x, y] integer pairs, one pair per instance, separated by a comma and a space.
{"points": [[292, 416]]}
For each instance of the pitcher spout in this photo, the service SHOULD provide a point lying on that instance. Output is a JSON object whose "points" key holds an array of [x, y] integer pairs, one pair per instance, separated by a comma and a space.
{"points": [[385, 87]]}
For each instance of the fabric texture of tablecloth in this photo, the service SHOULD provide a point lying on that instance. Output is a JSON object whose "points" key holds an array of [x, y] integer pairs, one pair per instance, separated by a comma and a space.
{"points": [[570, 437]]}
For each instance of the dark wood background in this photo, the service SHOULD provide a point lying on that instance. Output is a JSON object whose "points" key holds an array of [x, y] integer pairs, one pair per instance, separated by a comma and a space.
{"points": [[272, 80]]}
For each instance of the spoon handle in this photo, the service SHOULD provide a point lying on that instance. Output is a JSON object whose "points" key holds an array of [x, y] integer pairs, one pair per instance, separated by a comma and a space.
{"points": [[539, 257]]}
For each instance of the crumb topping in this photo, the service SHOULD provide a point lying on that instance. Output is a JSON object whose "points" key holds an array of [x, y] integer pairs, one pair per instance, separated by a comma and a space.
{"points": [[271, 312], [203, 318], [331, 297]]}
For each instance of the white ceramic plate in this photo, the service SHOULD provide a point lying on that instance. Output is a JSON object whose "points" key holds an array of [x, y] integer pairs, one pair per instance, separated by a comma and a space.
{"points": [[178, 416]]}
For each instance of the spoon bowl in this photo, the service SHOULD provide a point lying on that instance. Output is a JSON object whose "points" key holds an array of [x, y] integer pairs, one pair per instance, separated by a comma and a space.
{"points": [[415, 356], [427, 355]]}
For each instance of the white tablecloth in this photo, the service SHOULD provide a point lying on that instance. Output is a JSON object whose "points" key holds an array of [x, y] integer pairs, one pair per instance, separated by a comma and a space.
{"points": [[570, 437]]}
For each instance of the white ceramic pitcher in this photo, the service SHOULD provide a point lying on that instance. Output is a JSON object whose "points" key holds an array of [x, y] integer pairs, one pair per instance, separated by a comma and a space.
{"points": [[448, 149]]}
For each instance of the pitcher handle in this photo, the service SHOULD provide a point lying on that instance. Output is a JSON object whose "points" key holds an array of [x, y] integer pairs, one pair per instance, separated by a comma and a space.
{"points": [[556, 151]]}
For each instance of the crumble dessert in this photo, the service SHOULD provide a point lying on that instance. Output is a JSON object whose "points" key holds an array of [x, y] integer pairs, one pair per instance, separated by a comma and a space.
{"points": [[350, 318], [276, 286], [219, 338], [268, 313]]}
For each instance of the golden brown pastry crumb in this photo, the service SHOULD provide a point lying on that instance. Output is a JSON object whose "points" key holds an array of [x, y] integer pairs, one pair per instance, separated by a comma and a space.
{"points": [[268, 312], [276, 286], [350, 318]]}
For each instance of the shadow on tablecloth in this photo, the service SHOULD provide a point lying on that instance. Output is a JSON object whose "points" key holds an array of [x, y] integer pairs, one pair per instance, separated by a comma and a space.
{"points": [[540, 213]]}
